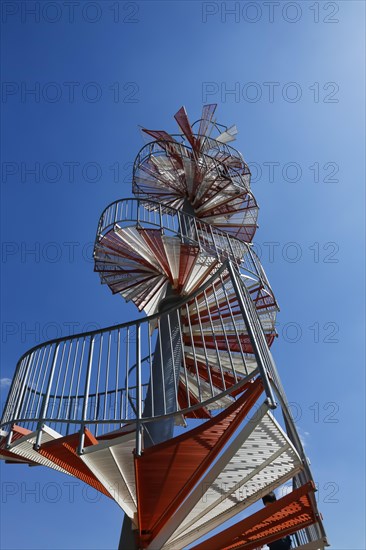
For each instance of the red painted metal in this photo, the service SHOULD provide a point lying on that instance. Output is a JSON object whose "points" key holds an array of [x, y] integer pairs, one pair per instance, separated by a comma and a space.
{"points": [[219, 191], [225, 342], [208, 112], [17, 433], [62, 452], [285, 516], [122, 268], [209, 372], [188, 257], [200, 412], [166, 473], [154, 241], [182, 119]]}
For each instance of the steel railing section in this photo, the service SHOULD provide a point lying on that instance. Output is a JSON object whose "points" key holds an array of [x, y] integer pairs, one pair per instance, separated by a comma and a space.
{"points": [[273, 387], [210, 175], [97, 379], [211, 150], [144, 213], [163, 158], [147, 213]]}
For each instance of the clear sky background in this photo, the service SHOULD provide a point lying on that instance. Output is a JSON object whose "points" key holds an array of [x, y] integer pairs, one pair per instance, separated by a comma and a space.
{"points": [[291, 76]]}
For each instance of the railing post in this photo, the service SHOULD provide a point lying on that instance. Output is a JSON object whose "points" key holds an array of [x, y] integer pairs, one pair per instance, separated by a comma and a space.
{"points": [[21, 393], [231, 249], [255, 344], [86, 395], [46, 398], [180, 226], [139, 392], [137, 211], [195, 236], [160, 217], [22, 389], [13, 390], [214, 242]]}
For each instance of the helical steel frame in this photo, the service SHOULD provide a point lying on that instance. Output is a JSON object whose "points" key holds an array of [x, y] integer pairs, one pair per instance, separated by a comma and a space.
{"points": [[105, 406]]}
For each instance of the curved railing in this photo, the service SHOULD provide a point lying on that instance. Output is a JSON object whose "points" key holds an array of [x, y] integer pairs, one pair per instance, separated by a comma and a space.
{"points": [[152, 214], [204, 347], [206, 144], [240, 176], [98, 379]]}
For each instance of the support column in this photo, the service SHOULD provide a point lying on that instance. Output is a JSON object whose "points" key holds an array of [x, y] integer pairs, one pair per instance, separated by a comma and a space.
{"points": [[162, 393], [161, 396]]}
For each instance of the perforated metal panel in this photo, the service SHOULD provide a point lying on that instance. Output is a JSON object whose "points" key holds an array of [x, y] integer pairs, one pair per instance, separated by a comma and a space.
{"points": [[265, 460]]}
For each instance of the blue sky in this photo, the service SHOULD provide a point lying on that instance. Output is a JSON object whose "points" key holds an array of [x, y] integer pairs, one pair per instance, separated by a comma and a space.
{"points": [[292, 79]]}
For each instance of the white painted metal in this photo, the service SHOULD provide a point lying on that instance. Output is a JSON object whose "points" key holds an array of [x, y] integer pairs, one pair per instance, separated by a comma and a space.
{"points": [[224, 360], [24, 448], [132, 237], [112, 463], [202, 268], [267, 458], [260, 457], [206, 393], [228, 135], [172, 247], [207, 479]]}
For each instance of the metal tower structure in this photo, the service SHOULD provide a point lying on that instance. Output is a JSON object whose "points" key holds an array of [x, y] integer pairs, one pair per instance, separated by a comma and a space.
{"points": [[102, 405]]}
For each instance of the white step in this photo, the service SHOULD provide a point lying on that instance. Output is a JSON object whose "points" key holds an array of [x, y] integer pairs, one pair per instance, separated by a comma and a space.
{"points": [[112, 462], [24, 448], [265, 460]]}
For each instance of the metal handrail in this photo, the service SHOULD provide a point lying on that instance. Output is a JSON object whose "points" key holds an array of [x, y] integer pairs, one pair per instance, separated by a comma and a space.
{"points": [[144, 420], [218, 144], [76, 380], [164, 147], [39, 372], [152, 213], [127, 324], [165, 209]]}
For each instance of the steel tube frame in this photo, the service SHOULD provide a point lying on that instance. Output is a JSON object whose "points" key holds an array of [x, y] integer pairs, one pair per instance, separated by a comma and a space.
{"points": [[155, 414], [255, 344], [37, 443], [72, 357]]}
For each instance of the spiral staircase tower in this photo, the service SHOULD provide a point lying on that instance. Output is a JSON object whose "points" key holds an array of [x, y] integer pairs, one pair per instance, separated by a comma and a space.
{"points": [[103, 405]]}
